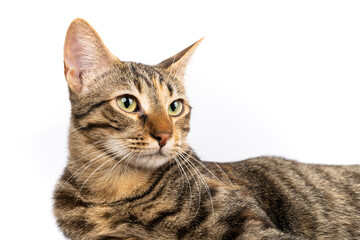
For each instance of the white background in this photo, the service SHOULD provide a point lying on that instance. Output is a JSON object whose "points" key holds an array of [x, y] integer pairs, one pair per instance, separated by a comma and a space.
{"points": [[270, 78]]}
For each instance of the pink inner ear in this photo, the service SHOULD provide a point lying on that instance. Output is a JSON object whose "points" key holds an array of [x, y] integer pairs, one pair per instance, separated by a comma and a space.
{"points": [[72, 64], [84, 52], [77, 55], [77, 60]]}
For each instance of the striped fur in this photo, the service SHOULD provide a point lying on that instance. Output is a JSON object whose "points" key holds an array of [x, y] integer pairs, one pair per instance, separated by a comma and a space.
{"points": [[120, 184]]}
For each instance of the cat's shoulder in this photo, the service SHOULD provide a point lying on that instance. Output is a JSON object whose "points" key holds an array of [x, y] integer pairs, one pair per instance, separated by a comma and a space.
{"points": [[263, 161]]}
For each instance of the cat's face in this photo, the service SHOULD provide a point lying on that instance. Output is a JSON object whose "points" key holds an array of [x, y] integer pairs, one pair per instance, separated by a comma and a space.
{"points": [[145, 119], [132, 112]]}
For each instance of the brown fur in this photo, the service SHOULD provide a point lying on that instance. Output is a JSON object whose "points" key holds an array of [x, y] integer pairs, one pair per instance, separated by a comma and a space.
{"points": [[124, 181]]}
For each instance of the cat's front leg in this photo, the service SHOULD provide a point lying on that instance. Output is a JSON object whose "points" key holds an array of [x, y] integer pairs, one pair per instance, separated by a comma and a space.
{"points": [[117, 238], [267, 234]]}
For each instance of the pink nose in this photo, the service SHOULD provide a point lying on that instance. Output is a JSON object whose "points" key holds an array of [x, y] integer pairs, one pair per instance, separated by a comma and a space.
{"points": [[162, 137]]}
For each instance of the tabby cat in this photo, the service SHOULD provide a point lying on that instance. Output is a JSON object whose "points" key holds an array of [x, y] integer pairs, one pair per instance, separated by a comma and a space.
{"points": [[132, 175]]}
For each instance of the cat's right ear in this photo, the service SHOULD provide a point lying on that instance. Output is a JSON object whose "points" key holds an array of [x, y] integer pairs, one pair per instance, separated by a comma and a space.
{"points": [[84, 53]]}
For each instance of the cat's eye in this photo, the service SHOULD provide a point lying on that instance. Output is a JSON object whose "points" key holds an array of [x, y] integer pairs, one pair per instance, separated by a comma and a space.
{"points": [[127, 103], [176, 108]]}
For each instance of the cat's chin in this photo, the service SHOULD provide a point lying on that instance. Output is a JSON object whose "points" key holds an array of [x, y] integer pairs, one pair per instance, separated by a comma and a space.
{"points": [[152, 160]]}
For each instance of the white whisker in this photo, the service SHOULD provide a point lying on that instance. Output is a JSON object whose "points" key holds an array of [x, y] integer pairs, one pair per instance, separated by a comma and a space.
{"points": [[192, 157], [76, 129], [190, 189], [195, 180], [202, 180], [87, 179], [223, 173], [127, 160], [182, 174], [112, 169]]}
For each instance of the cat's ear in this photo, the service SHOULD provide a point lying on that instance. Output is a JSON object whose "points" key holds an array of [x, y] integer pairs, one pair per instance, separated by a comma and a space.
{"points": [[176, 64], [84, 53]]}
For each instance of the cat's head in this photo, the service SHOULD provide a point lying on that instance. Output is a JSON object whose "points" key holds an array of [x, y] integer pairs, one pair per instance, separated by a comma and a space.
{"points": [[127, 110]]}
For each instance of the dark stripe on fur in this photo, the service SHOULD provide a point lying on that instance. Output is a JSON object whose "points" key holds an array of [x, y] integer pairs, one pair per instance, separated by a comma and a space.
{"points": [[92, 108], [201, 217], [141, 76], [237, 220], [274, 202], [299, 201], [110, 119], [170, 88], [68, 178], [345, 188], [160, 77], [137, 84], [162, 215], [154, 197], [100, 125], [76, 224], [108, 238], [66, 199], [132, 219]]}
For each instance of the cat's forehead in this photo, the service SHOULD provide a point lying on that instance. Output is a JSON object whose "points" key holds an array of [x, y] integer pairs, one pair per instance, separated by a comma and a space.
{"points": [[144, 80], [152, 85], [148, 78]]}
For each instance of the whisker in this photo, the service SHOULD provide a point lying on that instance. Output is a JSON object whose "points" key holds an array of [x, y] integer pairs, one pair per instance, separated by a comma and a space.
{"points": [[85, 156], [203, 181], [137, 159], [190, 189], [80, 168], [192, 157], [98, 142], [128, 159], [76, 129], [82, 186], [112, 169], [223, 173], [182, 175], [197, 185], [87, 179], [91, 162]]}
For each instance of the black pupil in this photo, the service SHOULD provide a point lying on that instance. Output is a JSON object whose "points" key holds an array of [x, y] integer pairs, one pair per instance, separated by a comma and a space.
{"points": [[127, 101], [174, 106]]}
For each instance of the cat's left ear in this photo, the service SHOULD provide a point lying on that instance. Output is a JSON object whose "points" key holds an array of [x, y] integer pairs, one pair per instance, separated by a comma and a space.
{"points": [[176, 64]]}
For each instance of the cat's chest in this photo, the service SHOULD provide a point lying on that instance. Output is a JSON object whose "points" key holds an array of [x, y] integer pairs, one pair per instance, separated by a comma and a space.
{"points": [[198, 212], [137, 219]]}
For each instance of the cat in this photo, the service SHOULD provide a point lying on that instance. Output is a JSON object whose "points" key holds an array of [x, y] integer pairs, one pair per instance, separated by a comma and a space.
{"points": [[132, 175]]}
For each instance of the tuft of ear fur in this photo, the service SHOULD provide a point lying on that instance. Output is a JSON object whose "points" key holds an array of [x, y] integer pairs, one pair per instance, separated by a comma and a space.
{"points": [[84, 52], [176, 65]]}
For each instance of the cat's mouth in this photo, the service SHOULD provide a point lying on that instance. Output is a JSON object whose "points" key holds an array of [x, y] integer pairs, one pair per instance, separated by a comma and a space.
{"points": [[158, 153], [152, 159]]}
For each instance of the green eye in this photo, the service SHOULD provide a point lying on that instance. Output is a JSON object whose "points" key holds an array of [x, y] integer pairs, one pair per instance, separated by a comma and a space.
{"points": [[176, 108], [127, 103]]}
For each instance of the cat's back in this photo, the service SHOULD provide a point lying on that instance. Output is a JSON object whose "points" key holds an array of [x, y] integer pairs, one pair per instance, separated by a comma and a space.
{"points": [[293, 170], [320, 200]]}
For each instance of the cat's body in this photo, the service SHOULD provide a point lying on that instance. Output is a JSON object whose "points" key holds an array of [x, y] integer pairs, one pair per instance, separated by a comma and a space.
{"points": [[131, 174], [263, 197]]}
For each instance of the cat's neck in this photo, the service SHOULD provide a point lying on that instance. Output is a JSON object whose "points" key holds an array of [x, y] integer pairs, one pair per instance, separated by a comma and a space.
{"points": [[120, 185], [102, 182]]}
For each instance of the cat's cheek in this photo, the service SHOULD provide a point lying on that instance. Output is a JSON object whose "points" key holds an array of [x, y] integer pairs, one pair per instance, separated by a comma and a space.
{"points": [[178, 139]]}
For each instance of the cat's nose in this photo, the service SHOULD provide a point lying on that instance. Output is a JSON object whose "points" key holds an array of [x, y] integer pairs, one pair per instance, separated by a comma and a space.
{"points": [[161, 137]]}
